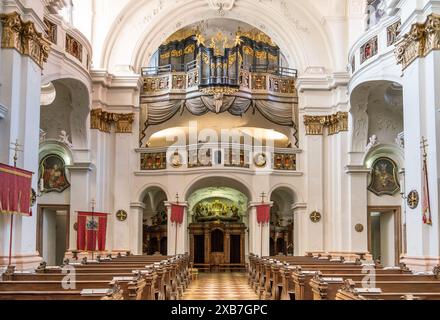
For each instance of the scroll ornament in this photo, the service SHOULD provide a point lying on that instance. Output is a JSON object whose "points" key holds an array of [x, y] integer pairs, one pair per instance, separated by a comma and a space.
{"points": [[23, 37]]}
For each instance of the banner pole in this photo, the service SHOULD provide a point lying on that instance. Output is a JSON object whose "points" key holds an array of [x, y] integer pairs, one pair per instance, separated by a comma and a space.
{"points": [[10, 240], [261, 240], [16, 149], [175, 242]]}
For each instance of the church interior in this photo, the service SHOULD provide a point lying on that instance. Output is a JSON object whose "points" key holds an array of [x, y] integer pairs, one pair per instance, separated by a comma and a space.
{"points": [[220, 150]]}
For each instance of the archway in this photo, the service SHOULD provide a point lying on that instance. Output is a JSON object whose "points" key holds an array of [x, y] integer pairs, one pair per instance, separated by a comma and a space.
{"points": [[282, 222], [133, 38], [217, 217], [378, 145], [155, 222], [65, 108]]}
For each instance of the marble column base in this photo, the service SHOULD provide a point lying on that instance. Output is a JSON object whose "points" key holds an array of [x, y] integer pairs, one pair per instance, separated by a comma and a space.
{"points": [[22, 261], [421, 264]]}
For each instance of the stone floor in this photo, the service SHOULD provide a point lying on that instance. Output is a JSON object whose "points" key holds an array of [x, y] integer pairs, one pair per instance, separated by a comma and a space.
{"points": [[220, 286]]}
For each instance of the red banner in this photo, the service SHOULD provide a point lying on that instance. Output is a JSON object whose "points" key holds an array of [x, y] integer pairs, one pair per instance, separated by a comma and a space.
{"points": [[177, 213], [15, 191], [427, 217], [92, 231], [263, 214]]}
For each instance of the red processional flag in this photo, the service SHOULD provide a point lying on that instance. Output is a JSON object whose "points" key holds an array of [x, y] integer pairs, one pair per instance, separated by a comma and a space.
{"points": [[92, 231], [177, 213], [427, 217], [15, 191], [263, 213]]}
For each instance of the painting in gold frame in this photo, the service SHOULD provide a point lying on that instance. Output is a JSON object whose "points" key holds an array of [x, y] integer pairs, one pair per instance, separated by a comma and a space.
{"points": [[384, 177]]}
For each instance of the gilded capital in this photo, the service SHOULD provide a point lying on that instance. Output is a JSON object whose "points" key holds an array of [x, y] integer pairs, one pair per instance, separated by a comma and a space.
{"points": [[335, 123], [103, 121], [419, 41], [23, 37]]}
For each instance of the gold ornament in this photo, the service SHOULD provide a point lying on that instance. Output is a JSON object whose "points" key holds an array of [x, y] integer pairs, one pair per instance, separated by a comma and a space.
{"points": [[413, 199], [315, 217], [121, 215]]}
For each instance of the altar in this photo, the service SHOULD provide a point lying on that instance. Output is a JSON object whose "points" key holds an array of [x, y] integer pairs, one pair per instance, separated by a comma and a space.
{"points": [[217, 243]]}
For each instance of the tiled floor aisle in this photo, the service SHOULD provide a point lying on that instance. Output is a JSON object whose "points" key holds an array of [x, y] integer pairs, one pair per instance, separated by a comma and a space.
{"points": [[220, 286]]}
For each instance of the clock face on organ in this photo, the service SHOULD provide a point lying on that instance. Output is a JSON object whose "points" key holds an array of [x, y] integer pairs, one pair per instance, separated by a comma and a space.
{"points": [[176, 160], [260, 160]]}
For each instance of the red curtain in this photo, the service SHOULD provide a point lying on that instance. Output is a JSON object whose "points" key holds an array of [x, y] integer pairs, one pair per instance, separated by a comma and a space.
{"points": [[263, 214], [15, 190], [177, 213], [92, 231]]}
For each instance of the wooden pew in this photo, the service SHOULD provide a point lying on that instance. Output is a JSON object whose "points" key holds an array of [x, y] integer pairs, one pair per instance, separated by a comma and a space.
{"points": [[269, 283], [350, 292], [27, 291], [326, 289], [302, 277], [142, 278]]}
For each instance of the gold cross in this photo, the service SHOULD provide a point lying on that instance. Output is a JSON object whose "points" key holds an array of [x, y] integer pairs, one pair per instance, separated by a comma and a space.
{"points": [[413, 200], [315, 217], [263, 197], [16, 147], [121, 215]]}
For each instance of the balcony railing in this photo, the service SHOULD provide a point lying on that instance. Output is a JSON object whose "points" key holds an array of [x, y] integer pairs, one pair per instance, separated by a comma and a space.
{"points": [[375, 43], [168, 79], [257, 68], [68, 41], [218, 156]]}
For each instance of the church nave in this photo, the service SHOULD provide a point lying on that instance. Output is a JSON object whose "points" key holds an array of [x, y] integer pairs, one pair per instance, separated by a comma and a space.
{"points": [[220, 286]]}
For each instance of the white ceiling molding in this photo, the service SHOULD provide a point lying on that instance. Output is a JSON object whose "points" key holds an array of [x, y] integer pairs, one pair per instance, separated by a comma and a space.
{"points": [[221, 5], [54, 6]]}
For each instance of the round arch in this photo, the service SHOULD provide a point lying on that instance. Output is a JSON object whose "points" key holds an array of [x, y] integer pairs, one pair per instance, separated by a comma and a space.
{"points": [[207, 181], [147, 188], [134, 37], [289, 189], [385, 150], [72, 94], [362, 98]]}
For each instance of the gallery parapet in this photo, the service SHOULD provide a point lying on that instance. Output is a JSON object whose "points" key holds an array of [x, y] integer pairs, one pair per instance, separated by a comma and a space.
{"points": [[374, 44], [218, 156], [183, 79]]}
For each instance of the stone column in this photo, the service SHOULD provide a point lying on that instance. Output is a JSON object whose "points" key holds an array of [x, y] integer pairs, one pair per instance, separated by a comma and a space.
{"points": [[313, 233], [358, 207], [20, 78], [79, 198], [300, 234], [207, 245], [420, 59], [136, 226], [227, 248]]}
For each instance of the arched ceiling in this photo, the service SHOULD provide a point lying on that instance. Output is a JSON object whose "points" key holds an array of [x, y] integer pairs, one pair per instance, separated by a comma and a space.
{"points": [[131, 30]]}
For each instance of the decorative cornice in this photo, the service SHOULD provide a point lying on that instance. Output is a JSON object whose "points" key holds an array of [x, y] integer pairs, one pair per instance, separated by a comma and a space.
{"points": [[335, 123], [103, 120], [419, 42], [23, 37], [81, 167]]}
